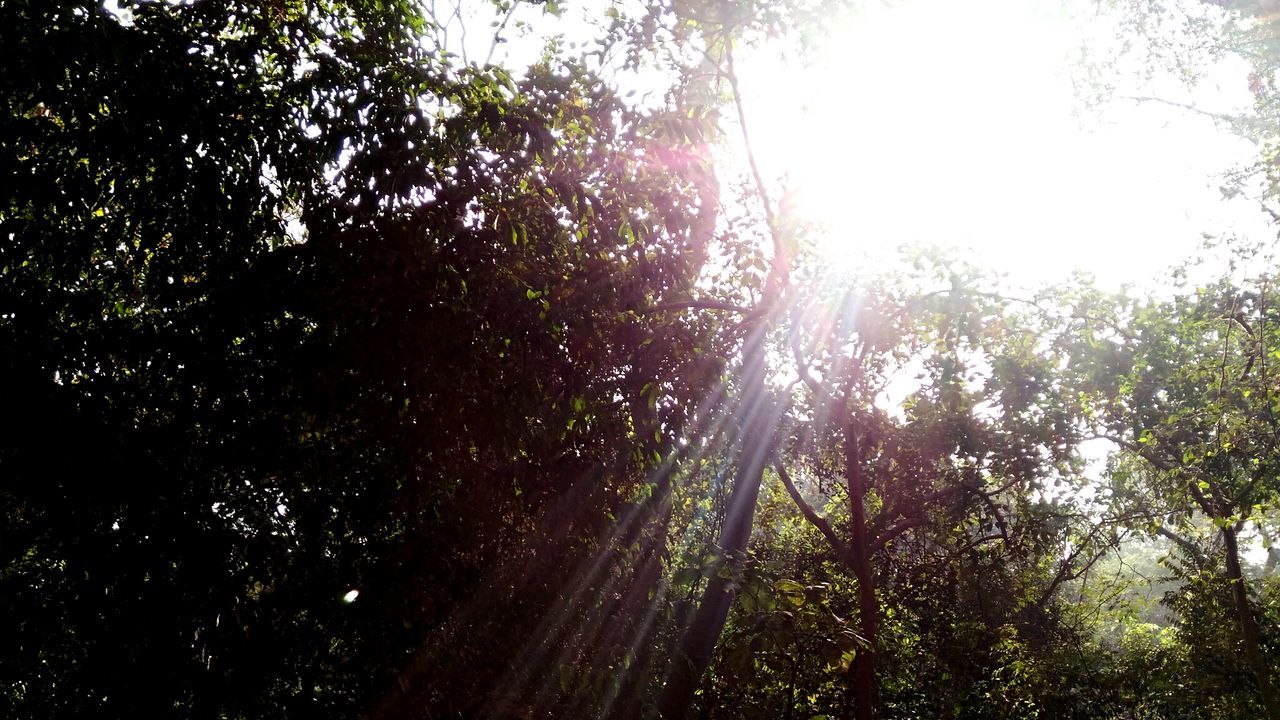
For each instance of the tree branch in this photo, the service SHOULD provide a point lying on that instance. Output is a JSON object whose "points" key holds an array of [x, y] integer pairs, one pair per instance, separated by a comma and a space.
{"points": [[909, 522], [1142, 452], [778, 277], [497, 34], [1182, 542], [697, 305], [883, 539], [841, 548], [1234, 120], [802, 370]]}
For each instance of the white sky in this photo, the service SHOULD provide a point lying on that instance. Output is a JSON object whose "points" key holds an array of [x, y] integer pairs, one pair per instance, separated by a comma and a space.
{"points": [[950, 123]]}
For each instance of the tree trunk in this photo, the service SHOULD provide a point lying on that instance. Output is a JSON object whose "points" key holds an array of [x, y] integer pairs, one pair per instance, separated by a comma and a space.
{"points": [[1273, 552], [1249, 626], [698, 643], [864, 663]]}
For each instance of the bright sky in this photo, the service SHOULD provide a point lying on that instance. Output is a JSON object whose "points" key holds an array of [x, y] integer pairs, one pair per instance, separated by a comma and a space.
{"points": [[956, 124], [939, 122]]}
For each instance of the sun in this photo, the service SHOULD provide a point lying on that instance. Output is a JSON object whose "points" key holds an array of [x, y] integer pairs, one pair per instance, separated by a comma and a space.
{"points": [[958, 124]]}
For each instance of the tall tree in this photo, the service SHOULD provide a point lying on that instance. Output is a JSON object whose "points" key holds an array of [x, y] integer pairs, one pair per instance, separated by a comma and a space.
{"points": [[1187, 386], [976, 440], [308, 335]]}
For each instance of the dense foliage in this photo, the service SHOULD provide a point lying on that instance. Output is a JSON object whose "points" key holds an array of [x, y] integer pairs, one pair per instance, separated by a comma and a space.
{"points": [[293, 307], [347, 378]]}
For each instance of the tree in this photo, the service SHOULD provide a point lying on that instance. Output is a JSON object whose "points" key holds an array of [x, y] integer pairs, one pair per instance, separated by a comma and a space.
{"points": [[977, 439], [294, 310], [348, 377], [1185, 385]]}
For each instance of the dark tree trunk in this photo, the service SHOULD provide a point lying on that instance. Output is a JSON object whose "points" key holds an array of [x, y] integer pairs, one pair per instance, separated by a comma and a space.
{"points": [[1251, 645], [698, 642], [864, 664]]}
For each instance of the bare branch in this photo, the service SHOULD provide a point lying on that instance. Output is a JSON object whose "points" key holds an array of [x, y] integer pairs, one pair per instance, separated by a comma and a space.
{"points": [[909, 522], [1234, 120], [1068, 570], [979, 541], [1158, 462]]}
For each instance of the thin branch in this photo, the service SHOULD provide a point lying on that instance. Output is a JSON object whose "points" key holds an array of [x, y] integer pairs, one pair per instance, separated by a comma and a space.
{"points": [[812, 515], [1182, 542], [883, 539], [1226, 348], [976, 542], [497, 34], [1068, 570], [1001, 523], [780, 260], [802, 369], [462, 26], [1212, 509], [1235, 120], [696, 305], [1142, 452]]}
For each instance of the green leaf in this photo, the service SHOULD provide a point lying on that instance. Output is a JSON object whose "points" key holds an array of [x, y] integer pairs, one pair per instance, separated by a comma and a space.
{"points": [[686, 576], [791, 592]]}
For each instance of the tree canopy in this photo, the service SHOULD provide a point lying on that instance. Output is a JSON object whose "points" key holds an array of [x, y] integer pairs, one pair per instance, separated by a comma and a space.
{"points": [[348, 376]]}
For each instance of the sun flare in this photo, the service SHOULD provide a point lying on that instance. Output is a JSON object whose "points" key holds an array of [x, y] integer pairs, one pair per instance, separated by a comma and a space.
{"points": [[959, 124]]}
